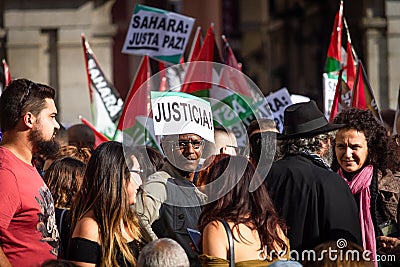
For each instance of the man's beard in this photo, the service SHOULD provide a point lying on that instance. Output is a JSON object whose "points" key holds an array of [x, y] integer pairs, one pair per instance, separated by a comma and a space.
{"points": [[328, 156], [43, 147]]}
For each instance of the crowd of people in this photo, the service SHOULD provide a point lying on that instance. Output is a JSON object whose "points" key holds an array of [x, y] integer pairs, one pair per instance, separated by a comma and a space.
{"points": [[315, 187]]}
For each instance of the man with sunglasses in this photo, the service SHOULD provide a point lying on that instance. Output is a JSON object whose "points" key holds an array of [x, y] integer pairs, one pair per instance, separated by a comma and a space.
{"points": [[28, 233], [171, 203]]}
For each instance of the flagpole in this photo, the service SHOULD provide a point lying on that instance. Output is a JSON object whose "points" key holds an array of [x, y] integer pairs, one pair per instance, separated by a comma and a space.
{"points": [[355, 87], [397, 114], [349, 39], [197, 35], [370, 89]]}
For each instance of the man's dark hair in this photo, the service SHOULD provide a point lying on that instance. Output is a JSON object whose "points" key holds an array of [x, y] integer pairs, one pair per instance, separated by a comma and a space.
{"points": [[62, 136], [221, 129], [22, 96], [262, 124], [81, 136]]}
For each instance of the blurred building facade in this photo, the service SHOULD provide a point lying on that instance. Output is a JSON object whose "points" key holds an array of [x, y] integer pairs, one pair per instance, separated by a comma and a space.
{"points": [[280, 42]]}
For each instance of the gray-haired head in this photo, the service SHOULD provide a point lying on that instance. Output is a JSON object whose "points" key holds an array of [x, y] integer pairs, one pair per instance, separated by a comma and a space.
{"points": [[319, 144], [163, 252]]}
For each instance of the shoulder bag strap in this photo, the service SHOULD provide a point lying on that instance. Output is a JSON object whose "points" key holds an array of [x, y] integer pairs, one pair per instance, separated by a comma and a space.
{"points": [[61, 220], [230, 241]]}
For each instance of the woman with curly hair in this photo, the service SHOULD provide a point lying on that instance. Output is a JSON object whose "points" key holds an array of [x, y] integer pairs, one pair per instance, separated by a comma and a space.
{"points": [[361, 152], [105, 231], [258, 232], [64, 178], [82, 154]]}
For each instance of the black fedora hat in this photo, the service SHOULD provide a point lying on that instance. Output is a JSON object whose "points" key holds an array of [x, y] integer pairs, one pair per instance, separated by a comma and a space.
{"points": [[305, 120]]}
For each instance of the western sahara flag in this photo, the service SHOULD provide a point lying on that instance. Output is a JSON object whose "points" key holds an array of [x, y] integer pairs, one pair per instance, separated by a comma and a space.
{"points": [[136, 124], [236, 94], [363, 95], [333, 60], [201, 72], [342, 97], [106, 104]]}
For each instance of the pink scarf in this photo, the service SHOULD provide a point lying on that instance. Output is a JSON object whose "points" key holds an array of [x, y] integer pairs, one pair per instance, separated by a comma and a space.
{"points": [[360, 184]]}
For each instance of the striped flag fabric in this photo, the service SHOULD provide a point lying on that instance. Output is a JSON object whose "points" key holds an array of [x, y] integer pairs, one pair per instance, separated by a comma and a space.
{"points": [[201, 72], [334, 51], [333, 62], [342, 97], [135, 126], [363, 95], [106, 103]]}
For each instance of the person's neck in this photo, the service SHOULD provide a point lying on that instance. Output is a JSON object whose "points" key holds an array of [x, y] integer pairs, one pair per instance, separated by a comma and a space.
{"points": [[187, 175], [350, 175], [19, 145]]}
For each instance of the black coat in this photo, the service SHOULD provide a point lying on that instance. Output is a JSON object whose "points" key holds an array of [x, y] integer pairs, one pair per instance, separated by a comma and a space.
{"points": [[315, 202]]}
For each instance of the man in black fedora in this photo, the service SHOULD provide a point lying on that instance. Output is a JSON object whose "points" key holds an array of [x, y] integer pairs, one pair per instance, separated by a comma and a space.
{"points": [[315, 202]]}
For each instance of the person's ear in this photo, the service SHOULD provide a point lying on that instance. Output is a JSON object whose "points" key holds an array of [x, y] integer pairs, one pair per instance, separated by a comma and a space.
{"points": [[325, 144], [165, 147], [29, 119]]}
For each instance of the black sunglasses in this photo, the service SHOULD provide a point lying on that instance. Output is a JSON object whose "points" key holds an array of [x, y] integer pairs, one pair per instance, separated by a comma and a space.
{"points": [[184, 144]]}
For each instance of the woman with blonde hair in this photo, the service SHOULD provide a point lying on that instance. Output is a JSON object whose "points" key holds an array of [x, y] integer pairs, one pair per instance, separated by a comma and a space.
{"points": [[105, 231]]}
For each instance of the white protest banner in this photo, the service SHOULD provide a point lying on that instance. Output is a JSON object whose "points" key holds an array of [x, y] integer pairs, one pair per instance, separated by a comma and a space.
{"points": [[158, 33], [299, 98], [329, 84], [180, 113], [264, 109], [278, 101]]}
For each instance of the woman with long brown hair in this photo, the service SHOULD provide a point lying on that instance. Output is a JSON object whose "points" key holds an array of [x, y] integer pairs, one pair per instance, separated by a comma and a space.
{"points": [[257, 230], [105, 230]]}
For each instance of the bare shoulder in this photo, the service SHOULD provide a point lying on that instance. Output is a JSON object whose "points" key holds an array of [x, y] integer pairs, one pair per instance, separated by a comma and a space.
{"points": [[214, 227], [87, 228], [215, 241]]}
